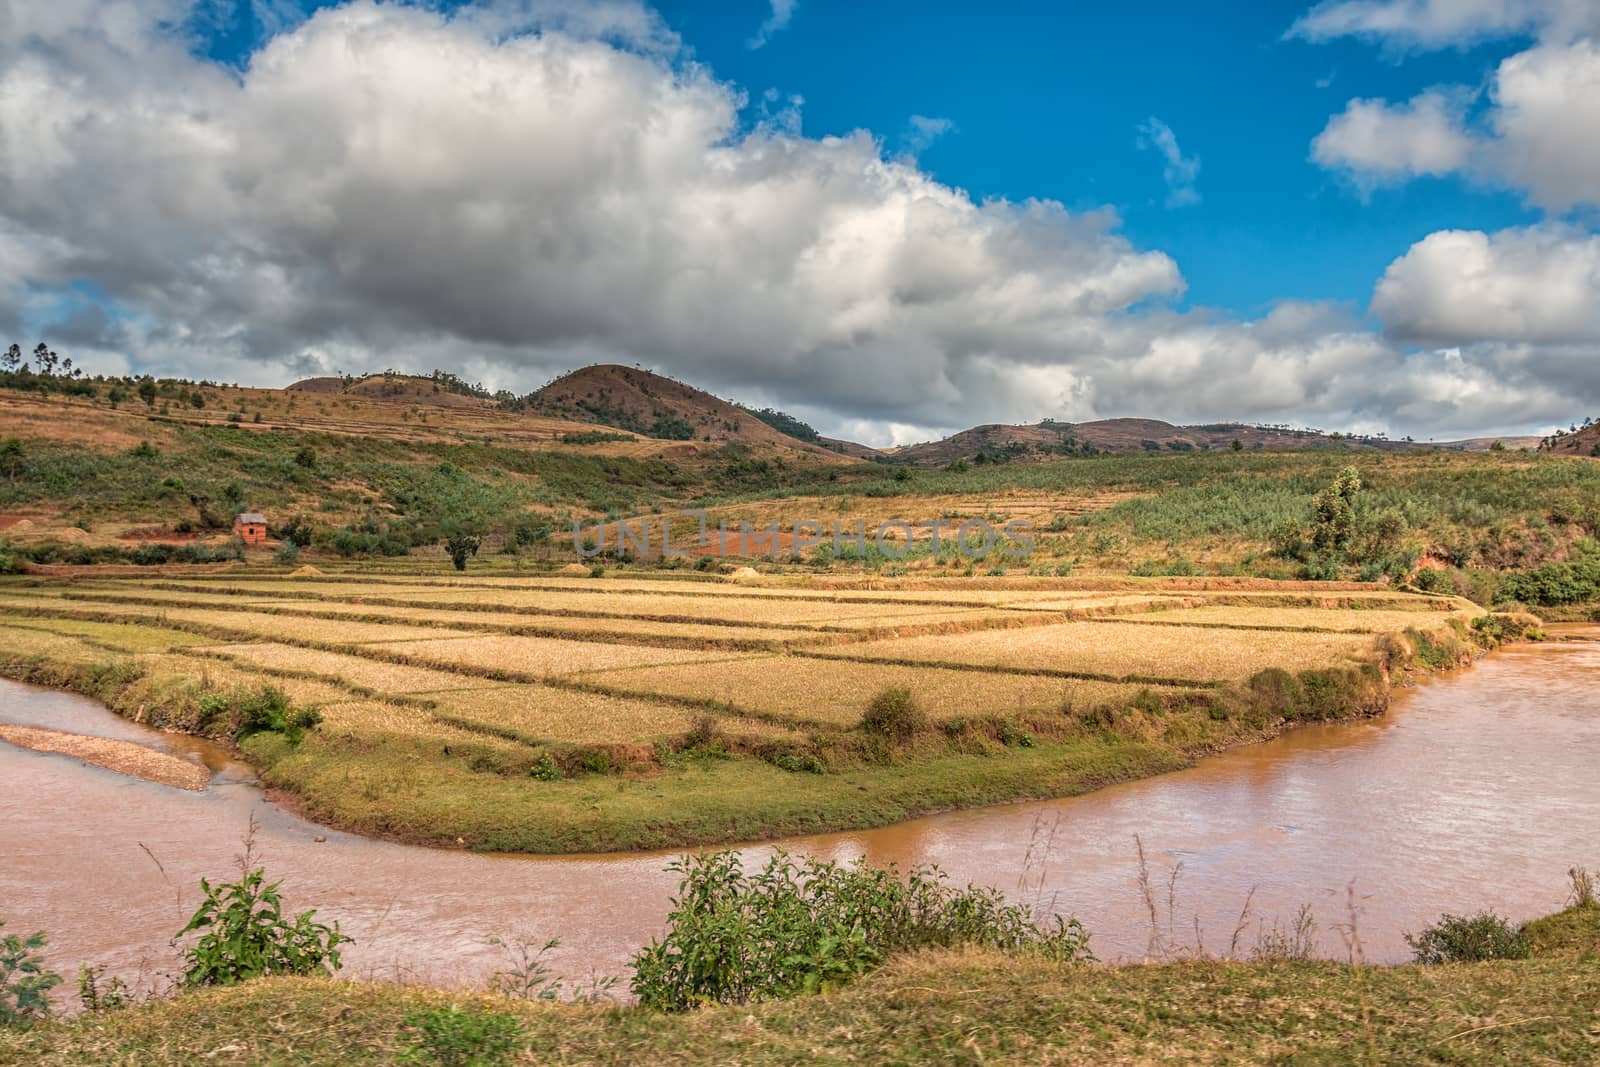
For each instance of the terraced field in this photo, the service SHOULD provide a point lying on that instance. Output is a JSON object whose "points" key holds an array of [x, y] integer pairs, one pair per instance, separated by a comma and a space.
{"points": [[733, 700]]}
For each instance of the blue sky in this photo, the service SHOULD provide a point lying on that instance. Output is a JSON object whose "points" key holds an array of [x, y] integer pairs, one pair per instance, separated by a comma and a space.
{"points": [[888, 217], [1046, 100]]}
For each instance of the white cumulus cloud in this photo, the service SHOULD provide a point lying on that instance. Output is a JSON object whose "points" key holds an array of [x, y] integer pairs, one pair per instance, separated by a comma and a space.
{"points": [[1379, 142], [1535, 284], [1540, 133]]}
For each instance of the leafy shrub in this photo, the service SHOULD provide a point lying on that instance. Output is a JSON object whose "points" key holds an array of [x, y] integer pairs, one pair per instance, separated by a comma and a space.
{"points": [[895, 715], [1462, 939], [1013, 734], [24, 983], [786, 423], [97, 998], [807, 926], [1553, 584], [1176, 567], [1433, 580], [270, 710], [287, 552], [297, 530], [792, 757], [527, 977], [1432, 650], [245, 935], [545, 768], [592, 437], [369, 539], [704, 733], [455, 1037]]}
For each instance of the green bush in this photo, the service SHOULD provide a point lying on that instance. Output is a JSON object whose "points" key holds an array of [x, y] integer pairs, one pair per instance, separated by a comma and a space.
{"points": [[455, 1037], [1012, 734], [808, 926], [895, 715], [1462, 939], [97, 998], [1432, 652], [1433, 580], [792, 757], [244, 935], [270, 710], [592, 760], [1554, 584], [545, 768], [24, 983], [1176, 567]]}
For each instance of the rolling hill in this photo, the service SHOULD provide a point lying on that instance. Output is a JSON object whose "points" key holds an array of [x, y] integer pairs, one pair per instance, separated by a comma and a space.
{"points": [[640, 402], [1583, 442], [1051, 440]]}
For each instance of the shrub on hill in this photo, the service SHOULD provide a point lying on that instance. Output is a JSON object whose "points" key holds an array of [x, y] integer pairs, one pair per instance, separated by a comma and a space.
{"points": [[1556, 584], [786, 423], [1469, 939], [809, 926]]}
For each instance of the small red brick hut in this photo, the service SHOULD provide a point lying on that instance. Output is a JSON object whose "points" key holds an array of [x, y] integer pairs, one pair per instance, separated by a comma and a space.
{"points": [[250, 527]]}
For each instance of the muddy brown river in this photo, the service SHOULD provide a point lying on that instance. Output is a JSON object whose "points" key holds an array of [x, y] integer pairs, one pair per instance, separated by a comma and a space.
{"points": [[1476, 790]]}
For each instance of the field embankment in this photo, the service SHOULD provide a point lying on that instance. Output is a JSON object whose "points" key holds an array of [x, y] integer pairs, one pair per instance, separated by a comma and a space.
{"points": [[571, 715]]}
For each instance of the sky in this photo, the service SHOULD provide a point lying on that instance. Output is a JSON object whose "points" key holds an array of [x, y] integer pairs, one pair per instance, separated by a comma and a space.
{"points": [[892, 220]]}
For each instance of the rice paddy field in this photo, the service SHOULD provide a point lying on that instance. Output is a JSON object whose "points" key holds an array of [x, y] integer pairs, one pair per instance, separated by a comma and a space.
{"points": [[578, 714]]}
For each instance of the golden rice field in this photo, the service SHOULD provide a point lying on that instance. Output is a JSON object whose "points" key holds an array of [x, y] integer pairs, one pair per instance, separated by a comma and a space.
{"points": [[170, 604], [541, 714], [359, 671], [634, 661], [1363, 620], [829, 692], [1121, 650]]}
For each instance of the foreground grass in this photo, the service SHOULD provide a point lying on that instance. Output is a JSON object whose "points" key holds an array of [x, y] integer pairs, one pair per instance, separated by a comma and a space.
{"points": [[938, 1007]]}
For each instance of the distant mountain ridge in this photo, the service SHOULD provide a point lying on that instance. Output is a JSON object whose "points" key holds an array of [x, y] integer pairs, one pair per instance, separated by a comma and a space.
{"points": [[649, 405]]}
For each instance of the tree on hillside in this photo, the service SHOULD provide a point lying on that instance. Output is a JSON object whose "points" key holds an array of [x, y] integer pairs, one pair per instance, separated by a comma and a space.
{"points": [[147, 392], [12, 360], [11, 458], [462, 540], [1333, 512]]}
